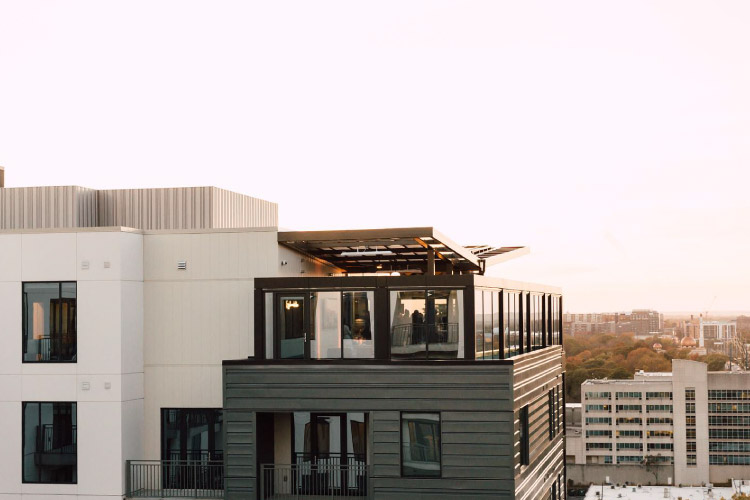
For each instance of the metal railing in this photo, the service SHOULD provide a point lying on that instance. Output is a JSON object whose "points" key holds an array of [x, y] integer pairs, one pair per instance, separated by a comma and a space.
{"points": [[174, 478], [327, 459], [298, 481], [420, 333]]}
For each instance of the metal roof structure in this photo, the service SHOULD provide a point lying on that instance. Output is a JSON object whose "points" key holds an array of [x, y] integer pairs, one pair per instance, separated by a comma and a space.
{"points": [[412, 250]]}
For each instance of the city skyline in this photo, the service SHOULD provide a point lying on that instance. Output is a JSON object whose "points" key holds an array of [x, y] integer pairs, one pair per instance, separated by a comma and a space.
{"points": [[619, 160]]}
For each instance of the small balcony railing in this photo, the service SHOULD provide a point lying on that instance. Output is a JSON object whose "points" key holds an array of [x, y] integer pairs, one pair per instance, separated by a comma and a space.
{"points": [[314, 480], [174, 478]]}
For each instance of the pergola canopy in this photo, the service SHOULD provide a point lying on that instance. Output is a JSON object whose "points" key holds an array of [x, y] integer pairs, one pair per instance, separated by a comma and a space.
{"points": [[410, 250]]}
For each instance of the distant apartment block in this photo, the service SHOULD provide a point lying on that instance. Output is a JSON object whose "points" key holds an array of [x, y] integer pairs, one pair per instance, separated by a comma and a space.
{"points": [[693, 422], [640, 322]]}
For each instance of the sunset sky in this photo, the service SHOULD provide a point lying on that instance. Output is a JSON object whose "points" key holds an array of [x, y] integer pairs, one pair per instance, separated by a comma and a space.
{"points": [[611, 138]]}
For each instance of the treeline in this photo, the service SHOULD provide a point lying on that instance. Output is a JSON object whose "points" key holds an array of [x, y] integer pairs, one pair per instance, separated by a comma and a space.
{"points": [[598, 356]]}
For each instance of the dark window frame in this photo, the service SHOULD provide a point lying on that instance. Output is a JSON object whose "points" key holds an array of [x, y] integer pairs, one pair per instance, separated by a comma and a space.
{"points": [[23, 438], [401, 443], [25, 321], [523, 438]]}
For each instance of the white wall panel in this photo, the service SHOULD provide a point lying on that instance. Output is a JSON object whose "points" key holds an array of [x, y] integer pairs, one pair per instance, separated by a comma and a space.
{"points": [[10, 453], [100, 466], [48, 257], [49, 388], [99, 327], [11, 345], [131, 348], [10, 257]]}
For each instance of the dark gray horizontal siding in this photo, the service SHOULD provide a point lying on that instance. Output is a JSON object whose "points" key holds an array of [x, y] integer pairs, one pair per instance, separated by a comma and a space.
{"points": [[239, 468], [475, 403], [368, 388], [534, 375]]}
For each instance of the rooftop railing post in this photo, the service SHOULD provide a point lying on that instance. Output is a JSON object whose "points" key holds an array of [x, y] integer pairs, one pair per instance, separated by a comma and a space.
{"points": [[127, 478]]}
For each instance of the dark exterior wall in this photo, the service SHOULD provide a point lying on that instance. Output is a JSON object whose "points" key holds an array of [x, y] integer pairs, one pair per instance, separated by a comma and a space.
{"points": [[534, 375], [479, 403], [474, 400]]}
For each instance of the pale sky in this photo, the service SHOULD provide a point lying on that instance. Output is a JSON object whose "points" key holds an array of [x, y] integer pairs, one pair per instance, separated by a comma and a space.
{"points": [[613, 138]]}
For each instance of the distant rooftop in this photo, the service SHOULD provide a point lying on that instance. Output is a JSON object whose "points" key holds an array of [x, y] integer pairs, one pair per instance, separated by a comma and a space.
{"points": [[658, 492]]}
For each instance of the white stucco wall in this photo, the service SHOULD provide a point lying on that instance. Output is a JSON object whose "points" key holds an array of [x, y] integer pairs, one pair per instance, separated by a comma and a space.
{"points": [[110, 304]]}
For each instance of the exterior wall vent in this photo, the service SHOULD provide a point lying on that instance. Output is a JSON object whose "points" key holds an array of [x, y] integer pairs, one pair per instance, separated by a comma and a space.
{"points": [[182, 265], [84, 264]]}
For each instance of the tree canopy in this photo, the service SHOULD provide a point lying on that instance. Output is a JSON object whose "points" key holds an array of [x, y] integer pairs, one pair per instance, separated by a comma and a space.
{"points": [[598, 356]]}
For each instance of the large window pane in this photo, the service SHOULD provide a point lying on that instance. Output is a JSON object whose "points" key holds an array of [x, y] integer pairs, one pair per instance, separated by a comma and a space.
{"points": [[478, 324], [420, 444], [325, 341], [192, 434], [511, 323], [487, 322], [49, 443], [408, 330], [496, 354], [291, 321], [269, 326], [445, 324], [358, 321], [427, 324], [49, 322]]}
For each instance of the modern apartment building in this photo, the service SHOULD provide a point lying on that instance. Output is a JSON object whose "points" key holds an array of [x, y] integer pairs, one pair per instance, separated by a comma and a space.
{"points": [[119, 307], [642, 323], [716, 332], [693, 421]]}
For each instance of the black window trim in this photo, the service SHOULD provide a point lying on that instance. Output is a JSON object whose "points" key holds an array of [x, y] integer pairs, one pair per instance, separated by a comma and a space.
{"points": [[401, 443], [24, 322]]}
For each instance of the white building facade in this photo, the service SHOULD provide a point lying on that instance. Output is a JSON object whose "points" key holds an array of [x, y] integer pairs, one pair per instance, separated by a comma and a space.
{"points": [[117, 310], [695, 421]]}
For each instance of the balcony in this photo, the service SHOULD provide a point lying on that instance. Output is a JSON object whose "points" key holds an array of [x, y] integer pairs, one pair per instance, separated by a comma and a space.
{"points": [[174, 478], [315, 480]]}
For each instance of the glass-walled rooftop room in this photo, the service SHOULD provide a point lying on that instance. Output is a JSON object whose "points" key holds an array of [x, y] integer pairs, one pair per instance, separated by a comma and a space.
{"points": [[401, 319]]}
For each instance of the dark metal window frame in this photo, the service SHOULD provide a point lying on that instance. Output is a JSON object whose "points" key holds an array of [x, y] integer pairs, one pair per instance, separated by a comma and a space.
{"points": [[523, 420], [25, 320], [382, 286], [23, 435], [401, 443]]}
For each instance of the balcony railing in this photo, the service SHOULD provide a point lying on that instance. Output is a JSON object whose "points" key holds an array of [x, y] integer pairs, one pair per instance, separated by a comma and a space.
{"points": [[174, 478], [314, 480]]}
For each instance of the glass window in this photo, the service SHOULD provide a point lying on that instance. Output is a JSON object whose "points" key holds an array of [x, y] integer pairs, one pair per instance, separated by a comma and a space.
{"points": [[358, 323], [325, 335], [291, 327], [269, 325], [49, 443], [49, 322], [479, 324], [496, 354], [408, 335], [427, 324], [511, 323], [420, 444], [487, 322], [523, 436], [192, 434]]}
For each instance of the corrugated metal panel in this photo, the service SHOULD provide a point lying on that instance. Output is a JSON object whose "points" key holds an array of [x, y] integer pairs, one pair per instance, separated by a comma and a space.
{"points": [[47, 207], [149, 209], [237, 210], [183, 208]]}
